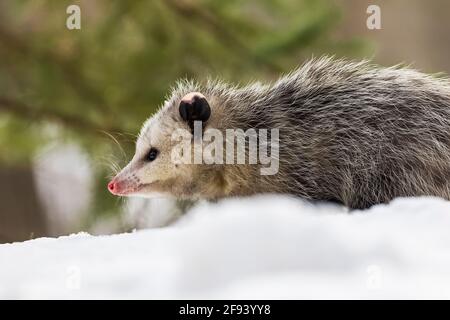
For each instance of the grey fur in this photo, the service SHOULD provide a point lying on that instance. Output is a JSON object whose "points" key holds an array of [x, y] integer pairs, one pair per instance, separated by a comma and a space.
{"points": [[349, 132]]}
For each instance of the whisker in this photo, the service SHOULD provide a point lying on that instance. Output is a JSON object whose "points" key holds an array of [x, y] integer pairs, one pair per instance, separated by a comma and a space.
{"points": [[116, 141]]}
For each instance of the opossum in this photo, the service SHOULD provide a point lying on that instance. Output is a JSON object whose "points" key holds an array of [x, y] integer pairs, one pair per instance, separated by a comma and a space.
{"points": [[349, 132]]}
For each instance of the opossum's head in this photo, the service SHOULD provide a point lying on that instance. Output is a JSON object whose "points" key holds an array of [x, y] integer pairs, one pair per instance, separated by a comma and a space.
{"points": [[152, 171]]}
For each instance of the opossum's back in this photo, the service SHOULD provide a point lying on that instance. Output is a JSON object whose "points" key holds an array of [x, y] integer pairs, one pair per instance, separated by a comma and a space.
{"points": [[368, 141], [392, 106]]}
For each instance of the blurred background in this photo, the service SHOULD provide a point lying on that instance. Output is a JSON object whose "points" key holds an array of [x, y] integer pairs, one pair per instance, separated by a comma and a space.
{"points": [[72, 101]]}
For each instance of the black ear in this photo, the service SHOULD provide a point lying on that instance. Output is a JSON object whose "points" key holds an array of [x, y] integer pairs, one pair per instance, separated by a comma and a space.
{"points": [[197, 109]]}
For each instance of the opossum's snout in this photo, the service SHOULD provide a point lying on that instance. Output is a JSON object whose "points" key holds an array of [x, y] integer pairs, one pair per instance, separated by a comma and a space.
{"points": [[141, 176], [123, 187], [113, 187], [125, 183]]}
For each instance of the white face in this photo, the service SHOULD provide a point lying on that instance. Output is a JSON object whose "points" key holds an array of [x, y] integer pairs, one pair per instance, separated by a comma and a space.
{"points": [[150, 167], [152, 172]]}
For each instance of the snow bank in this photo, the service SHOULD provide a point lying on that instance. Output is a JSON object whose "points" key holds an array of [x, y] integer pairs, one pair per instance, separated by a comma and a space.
{"points": [[263, 247]]}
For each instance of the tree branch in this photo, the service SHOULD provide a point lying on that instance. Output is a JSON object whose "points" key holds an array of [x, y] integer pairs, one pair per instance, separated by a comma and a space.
{"points": [[189, 10], [69, 71], [43, 114]]}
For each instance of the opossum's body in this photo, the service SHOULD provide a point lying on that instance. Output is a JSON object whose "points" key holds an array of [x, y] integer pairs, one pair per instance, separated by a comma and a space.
{"points": [[349, 132]]}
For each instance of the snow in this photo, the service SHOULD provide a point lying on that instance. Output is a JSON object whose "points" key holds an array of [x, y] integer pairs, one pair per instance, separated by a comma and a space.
{"points": [[266, 247], [63, 175]]}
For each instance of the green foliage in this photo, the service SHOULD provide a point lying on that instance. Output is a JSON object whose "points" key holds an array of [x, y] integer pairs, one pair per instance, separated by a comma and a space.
{"points": [[108, 77]]}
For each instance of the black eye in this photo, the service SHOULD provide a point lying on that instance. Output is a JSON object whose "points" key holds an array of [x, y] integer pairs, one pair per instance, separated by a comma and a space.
{"points": [[152, 154]]}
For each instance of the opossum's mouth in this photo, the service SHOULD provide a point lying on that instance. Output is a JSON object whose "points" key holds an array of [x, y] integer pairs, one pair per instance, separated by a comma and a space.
{"points": [[132, 189]]}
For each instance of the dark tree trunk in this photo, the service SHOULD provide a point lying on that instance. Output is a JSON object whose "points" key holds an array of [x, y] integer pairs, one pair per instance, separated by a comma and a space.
{"points": [[21, 216]]}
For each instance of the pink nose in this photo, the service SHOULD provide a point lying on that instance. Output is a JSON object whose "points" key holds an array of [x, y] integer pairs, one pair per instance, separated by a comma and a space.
{"points": [[112, 187]]}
